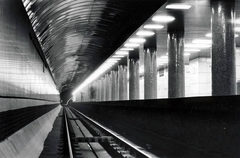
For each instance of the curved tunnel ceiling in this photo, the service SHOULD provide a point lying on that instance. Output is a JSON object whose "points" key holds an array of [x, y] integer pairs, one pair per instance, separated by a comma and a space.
{"points": [[76, 36]]}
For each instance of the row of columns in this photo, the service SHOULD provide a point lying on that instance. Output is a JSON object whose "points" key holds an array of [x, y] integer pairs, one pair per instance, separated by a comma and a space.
{"points": [[114, 85]]}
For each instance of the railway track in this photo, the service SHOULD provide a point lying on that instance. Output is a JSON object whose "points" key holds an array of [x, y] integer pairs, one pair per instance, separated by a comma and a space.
{"points": [[87, 138]]}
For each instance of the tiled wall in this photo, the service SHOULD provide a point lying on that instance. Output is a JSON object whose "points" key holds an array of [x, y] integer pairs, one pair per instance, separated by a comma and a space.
{"points": [[238, 65], [22, 72], [162, 83], [199, 77]]}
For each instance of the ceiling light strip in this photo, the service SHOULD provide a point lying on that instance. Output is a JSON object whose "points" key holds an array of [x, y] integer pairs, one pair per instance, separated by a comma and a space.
{"points": [[180, 6]]}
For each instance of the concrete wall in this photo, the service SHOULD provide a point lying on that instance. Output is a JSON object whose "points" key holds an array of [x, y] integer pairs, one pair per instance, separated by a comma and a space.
{"points": [[22, 72], [28, 141], [24, 82]]}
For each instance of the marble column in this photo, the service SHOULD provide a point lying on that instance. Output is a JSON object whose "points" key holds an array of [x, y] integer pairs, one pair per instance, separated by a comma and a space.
{"points": [[150, 68], [114, 77], [223, 47], [134, 74], [102, 89], [105, 88], [176, 69], [92, 92], [122, 79], [108, 87], [98, 90]]}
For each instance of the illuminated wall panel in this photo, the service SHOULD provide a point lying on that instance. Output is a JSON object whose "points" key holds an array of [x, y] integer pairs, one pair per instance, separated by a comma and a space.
{"points": [[162, 83], [200, 77], [141, 87], [187, 81], [238, 65]]}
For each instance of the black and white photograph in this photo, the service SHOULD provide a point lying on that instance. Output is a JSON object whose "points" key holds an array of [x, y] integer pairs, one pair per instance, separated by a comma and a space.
{"points": [[119, 79]]}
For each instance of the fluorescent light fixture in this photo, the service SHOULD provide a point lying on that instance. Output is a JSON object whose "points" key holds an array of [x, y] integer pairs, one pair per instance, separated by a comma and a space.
{"points": [[210, 35], [111, 61], [202, 41], [145, 33], [91, 78], [127, 49], [178, 6], [153, 26], [132, 45], [118, 56], [186, 54], [194, 45], [192, 50], [103, 68], [101, 71], [122, 53], [106, 64], [114, 59], [137, 40], [161, 18]]}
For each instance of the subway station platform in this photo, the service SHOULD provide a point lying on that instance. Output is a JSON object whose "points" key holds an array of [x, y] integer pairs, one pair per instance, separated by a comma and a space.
{"points": [[185, 127], [119, 78]]}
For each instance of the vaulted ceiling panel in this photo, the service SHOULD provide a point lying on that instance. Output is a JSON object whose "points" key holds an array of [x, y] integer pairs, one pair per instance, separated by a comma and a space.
{"points": [[76, 36]]}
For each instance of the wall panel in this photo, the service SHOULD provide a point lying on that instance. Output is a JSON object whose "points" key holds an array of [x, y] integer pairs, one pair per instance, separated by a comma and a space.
{"points": [[22, 71]]}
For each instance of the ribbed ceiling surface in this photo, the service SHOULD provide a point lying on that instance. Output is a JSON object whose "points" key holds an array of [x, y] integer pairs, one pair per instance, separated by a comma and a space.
{"points": [[78, 35]]}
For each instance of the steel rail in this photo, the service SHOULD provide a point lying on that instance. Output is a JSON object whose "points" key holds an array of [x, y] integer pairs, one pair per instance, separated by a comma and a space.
{"points": [[89, 145], [68, 136], [136, 148]]}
